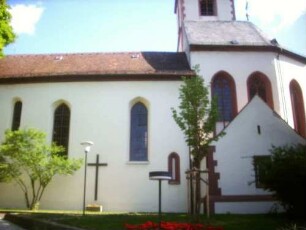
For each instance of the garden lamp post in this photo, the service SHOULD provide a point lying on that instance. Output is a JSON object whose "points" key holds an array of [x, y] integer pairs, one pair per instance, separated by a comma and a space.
{"points": [[86, 145], [159, 175]]}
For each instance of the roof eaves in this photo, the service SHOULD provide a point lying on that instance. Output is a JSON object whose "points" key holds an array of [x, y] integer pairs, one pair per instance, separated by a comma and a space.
{"points": [[248, 48], [170, 76]]}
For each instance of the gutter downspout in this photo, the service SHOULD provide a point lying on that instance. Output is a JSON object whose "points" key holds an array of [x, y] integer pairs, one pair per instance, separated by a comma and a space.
{"points": [[281, 85]]}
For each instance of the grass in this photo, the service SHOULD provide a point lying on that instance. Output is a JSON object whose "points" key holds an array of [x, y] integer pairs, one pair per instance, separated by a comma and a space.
{"points": [[115, 221]]}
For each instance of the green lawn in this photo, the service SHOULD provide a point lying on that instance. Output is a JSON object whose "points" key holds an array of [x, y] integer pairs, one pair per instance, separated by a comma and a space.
{"points": [[117, 221]]}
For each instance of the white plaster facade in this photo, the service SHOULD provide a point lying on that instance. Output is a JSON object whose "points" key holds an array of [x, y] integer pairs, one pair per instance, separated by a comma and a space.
{"points": [[100, 112], [286, 70], [279, 67], [229, 51], [240, 65], [236, 150]]}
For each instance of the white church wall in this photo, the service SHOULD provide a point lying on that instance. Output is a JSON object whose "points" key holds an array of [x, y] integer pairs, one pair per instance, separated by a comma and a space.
{"points": [[235, 151], [186, 48], [100, 112], [240, 65], [191, 10], [287, 70], [225, 10]]}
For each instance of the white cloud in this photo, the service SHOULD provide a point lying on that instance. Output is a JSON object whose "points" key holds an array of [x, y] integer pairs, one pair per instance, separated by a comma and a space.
{"points": [[25, 18], [278, 14]]}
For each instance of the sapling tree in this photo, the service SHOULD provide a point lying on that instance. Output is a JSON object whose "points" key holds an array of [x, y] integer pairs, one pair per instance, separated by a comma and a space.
{"points": [[196, 116], [7, 35], [27, 160]]}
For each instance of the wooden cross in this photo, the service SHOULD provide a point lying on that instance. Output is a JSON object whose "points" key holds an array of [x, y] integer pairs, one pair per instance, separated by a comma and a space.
{"points": [[97, 164]]}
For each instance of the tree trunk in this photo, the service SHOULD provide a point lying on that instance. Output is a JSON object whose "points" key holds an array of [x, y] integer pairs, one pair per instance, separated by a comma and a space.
{"points": [[35, 206], [27, 200], [197, 191], [191, 187]]}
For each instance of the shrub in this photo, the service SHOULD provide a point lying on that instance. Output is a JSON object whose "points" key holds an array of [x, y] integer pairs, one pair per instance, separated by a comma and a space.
{"points": [[285, 175]]}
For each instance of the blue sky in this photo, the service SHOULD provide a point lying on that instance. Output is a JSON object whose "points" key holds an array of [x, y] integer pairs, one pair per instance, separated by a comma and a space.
{"points": [[61, 26]]}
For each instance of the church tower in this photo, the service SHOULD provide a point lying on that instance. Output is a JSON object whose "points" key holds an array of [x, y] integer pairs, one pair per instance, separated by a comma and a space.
{"points": [[202, 10]]}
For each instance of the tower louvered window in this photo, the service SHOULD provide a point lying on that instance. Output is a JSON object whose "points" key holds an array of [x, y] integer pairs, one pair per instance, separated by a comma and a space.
{"points": [[207, 7]]}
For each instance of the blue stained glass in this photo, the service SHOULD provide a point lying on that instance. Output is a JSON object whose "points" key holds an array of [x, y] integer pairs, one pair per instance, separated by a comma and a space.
{"points": [[222, 90], [139, 133]]}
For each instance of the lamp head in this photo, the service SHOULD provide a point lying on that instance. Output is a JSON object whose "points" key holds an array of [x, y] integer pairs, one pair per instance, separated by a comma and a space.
{"points": [[87, 145]]}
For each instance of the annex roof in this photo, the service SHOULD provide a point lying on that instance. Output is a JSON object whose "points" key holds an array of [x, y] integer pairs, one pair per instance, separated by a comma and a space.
{"points": [[273, 127], [232, 36], [153, 65]]}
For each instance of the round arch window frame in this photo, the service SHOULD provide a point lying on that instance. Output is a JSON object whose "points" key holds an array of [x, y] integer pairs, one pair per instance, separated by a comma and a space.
{"points": [[268, 88], [233, 93], [174, 157], [298, 109]]}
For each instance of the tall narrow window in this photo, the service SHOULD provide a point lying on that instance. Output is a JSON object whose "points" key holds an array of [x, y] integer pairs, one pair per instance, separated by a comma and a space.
{"points": [[207, 7], [17, 115], [174, 168], [139, 133], [298, 109], [223, 88], [61, 127], [259, 84]]}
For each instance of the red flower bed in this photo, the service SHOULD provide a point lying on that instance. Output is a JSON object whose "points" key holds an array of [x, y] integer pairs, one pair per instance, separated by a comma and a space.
{"points": [[171, 226]]}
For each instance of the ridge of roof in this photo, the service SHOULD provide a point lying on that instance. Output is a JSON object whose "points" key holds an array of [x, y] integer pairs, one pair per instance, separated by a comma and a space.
{"points": [[94, 53]]}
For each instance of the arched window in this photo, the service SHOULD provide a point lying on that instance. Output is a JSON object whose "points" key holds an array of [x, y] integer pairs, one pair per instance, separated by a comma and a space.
{"points": [[17, 115], [139, 133], [224, 89], [207, 8], [61, 127], [259, 84], [298, 109], [174, 168]]}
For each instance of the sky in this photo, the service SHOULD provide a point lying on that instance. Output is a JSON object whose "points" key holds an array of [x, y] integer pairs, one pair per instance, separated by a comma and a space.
{"points": [[74, 26]]}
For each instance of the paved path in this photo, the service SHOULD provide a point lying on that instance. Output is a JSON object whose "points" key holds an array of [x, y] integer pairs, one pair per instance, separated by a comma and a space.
{"points": [[5, 225]]}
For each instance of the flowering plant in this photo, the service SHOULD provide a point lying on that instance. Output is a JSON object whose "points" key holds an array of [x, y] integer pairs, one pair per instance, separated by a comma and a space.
{"points": [[171, 226]]}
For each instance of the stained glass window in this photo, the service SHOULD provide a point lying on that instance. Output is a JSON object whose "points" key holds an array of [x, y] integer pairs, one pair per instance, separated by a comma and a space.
{"points": [[223, 88], [139, 133], [61, 127], [17, 115], [298, 110]]}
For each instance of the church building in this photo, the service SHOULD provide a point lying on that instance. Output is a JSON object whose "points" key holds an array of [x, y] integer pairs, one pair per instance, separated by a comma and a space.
{"points": [[122, 102]]}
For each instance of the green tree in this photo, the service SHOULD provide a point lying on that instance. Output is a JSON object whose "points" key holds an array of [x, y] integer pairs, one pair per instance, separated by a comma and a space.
{"points": [[7, 35], [196, 117], [32, 164], [285, 176]]}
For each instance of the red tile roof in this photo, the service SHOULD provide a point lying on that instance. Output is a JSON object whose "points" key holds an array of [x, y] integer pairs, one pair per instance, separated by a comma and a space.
{"points": [[84, 66]]}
